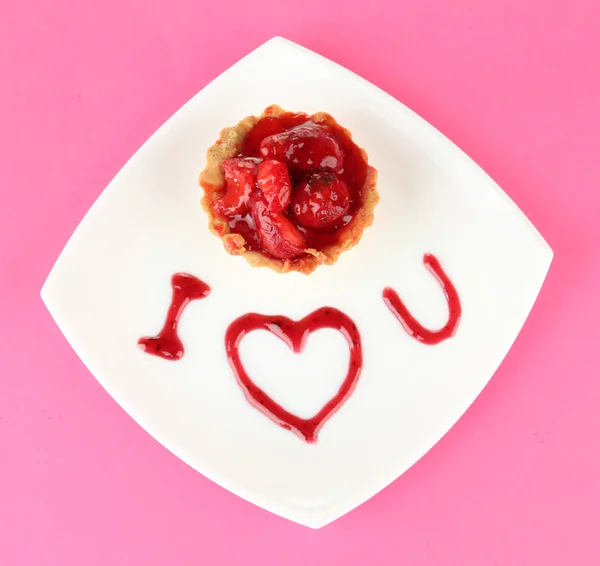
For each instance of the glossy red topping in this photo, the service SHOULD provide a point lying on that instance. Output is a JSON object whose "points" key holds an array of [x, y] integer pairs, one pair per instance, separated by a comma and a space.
{"points": [[277, 234], [308, 146], [294, 185], [240, 177], [274, 181], [269, 126], [321, 201]]}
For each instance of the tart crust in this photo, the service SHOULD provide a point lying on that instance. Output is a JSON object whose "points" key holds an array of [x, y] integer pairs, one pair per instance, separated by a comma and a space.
{"points": [[212, 181]]}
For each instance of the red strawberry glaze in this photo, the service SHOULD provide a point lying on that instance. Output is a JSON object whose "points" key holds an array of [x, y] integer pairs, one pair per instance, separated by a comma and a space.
{"points": [[277, 234], [269, 126], [273, 179], [321, 202], [240, 175], [307, 147], [411, 324], [352, 175]]}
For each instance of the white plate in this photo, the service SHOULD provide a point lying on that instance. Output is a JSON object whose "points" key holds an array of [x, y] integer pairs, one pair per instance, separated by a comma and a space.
{"points": [[111, 285]]}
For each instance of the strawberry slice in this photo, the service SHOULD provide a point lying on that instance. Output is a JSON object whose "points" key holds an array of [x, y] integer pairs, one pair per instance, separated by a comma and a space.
{"points": [[240, 176], [308, 146], [321, 201], [273, 180], [277, 234]]}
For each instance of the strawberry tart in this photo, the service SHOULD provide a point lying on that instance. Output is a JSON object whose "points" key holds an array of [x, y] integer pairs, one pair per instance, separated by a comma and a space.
{"points": [[287, 190]]}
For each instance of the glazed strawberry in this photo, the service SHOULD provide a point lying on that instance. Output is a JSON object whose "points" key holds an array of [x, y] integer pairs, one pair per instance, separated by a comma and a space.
{"points": [[321, 202], [240, 176], [277, 234], [308, 146], [273, 180]]}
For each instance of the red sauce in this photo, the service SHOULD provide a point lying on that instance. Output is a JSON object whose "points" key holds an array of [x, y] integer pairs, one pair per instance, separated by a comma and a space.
{"points": [[266, 127], [354, 174], [245, 226], [167, 344], [410, 323], [295, 334]]}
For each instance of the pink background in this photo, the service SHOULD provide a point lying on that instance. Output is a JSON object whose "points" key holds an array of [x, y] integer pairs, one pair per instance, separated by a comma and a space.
{"points": [[515, 84]]}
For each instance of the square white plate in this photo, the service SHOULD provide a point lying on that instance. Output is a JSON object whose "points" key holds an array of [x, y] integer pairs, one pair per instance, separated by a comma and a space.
{"points": [[111, 285]]}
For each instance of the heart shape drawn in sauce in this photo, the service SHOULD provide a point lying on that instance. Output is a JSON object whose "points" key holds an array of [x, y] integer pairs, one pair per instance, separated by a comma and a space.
{"points": [[295, 334]]}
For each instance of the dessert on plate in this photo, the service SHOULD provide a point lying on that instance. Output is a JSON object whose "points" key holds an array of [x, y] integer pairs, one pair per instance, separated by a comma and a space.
{"points": [[287, 190]]}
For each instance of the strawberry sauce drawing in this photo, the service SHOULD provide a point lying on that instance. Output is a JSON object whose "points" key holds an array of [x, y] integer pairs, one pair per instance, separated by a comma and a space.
{"points": [[187, 288], [411, 324], [167, 344], [295, 334]]}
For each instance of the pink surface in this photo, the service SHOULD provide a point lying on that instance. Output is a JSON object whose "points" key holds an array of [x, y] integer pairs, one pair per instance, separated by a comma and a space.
{"points": [[515, 84]]}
